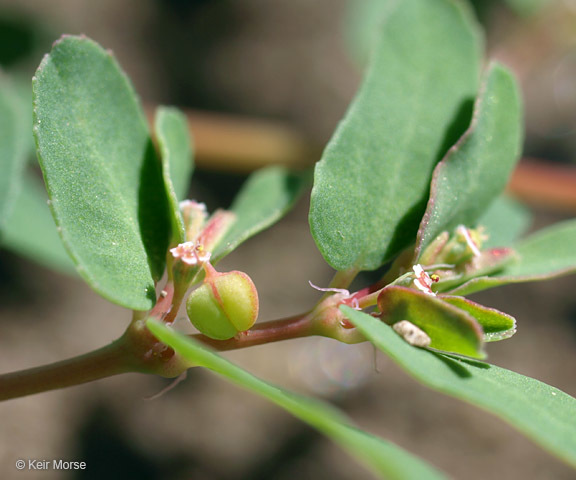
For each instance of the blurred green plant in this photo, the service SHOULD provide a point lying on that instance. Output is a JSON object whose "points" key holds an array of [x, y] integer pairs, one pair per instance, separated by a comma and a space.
{"points": [[412, 178]]}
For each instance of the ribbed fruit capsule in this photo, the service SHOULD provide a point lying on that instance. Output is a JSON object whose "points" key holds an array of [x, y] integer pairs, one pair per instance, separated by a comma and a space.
{"points": [[225, 304]]}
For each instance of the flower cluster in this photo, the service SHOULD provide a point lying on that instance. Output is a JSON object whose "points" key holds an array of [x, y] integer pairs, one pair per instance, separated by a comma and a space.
{"points": [[191, 253]]}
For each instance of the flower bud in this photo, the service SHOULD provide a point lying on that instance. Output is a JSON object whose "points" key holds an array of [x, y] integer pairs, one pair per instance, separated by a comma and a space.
{"points": [[460, 247], [194, 215], [216, 228], [225, 304], [203, 235], [189, 258]]}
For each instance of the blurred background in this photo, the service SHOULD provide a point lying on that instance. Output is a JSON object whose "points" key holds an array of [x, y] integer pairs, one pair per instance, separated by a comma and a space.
{"points": [[267, 82]]}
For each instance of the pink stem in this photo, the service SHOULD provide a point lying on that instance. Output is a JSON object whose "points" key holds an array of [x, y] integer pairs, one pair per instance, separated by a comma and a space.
{"points": [[265, 332]]}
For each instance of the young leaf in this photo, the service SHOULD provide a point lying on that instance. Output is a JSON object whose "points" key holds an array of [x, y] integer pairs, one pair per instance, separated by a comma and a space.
{"points": [[173, 137], [476, 169], [102, 175], [30, 229], [14, 130], [382, 457], [496, 325], [546, 254], [541, 412], [267, 195], [371, 185], [450, 328], [504, 222]]}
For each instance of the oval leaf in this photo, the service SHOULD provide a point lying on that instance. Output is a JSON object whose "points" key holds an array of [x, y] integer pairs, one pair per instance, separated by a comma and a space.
{"points": [[496, 325], [383, 458], [541, 412], [450, 329], [171, 127], [371, 186], [265, 197], [102, 175], [476, 169]]}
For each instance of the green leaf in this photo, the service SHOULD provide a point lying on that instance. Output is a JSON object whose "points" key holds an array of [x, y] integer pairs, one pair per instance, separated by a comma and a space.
{"points": [[171, 128], [476, 169], [371, 185], [496, 325], [504, 222], [30, 229], [14, 130], [382, 457], [266, 196], [102, 175], [541, 412], [546, 254], [450, 329]]}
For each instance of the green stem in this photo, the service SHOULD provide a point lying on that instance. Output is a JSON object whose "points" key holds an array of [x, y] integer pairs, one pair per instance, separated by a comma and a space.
{"points": [[105, 362], [343, 279], [138, 351]]}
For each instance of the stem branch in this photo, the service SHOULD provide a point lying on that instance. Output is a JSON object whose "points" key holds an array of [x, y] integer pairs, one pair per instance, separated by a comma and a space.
{"points": [[130, 353]]}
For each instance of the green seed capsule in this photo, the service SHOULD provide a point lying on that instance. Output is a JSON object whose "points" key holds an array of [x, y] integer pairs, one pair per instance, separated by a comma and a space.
{"points": [[225, 304]]}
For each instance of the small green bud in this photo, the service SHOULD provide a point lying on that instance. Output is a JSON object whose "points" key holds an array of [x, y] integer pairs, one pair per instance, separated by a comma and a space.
{"points": [[225, 304], [464, 245]]}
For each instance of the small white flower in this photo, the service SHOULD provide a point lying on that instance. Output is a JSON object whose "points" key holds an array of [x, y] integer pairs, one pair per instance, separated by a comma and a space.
{"points": [[186, 204], [191, 253], [422, 282]]}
